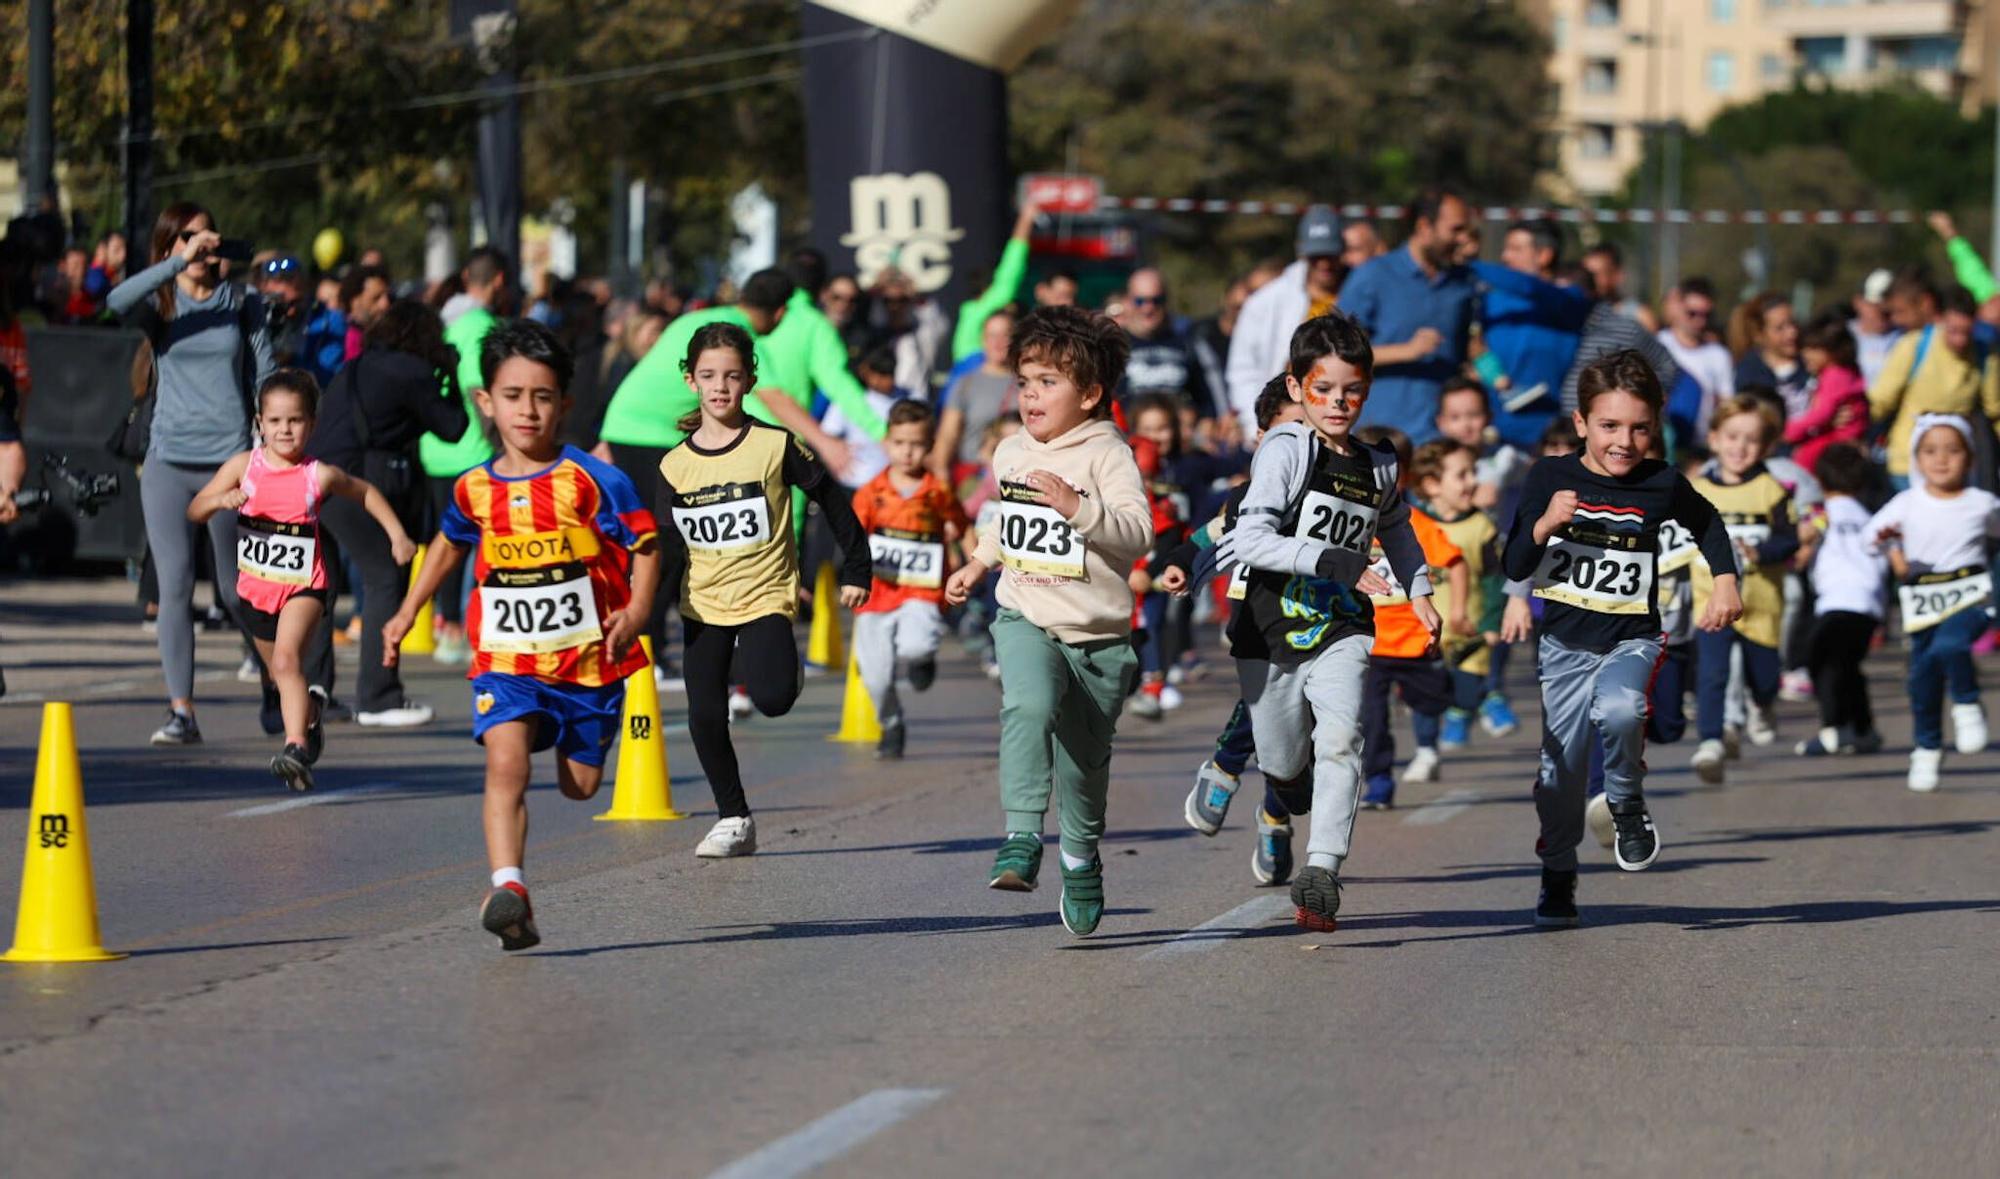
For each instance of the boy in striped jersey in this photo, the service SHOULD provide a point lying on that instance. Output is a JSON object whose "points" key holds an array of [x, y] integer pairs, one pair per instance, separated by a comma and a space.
{"points": [[566, 567]]}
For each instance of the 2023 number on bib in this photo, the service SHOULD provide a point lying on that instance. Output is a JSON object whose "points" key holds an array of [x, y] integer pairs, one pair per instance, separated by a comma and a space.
{"points": [[1678, 548], [907, 561], [275, 552], [1937, 596], [537, 611], [1034, 538], [740, 521], [1336, 522], [1594, 578]]}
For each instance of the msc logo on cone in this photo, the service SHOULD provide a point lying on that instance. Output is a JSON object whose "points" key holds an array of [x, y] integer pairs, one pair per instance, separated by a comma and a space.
{"points": [[901, 221], [55, 831]]}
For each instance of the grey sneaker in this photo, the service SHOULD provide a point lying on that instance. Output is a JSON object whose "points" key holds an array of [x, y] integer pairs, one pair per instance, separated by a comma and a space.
{"points": [[1316, 899], [180, 729], [1271, 862], [1208, 803]]}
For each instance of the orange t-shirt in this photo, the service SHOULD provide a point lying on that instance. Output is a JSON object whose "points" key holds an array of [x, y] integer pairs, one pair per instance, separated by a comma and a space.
{"points": [[906, 535], [1398, 634]]}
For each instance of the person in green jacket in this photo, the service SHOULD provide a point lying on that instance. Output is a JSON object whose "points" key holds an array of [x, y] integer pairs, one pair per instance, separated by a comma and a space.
{"points": [[973, 313], [485, 278], [1966, 264]]}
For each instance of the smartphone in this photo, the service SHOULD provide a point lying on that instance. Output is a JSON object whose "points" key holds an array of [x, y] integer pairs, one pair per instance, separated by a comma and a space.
{"points": [[235, 249]]}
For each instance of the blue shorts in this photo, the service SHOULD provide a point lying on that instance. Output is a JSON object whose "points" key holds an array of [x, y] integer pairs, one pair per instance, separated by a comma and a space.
{"points": [[578, 722]]}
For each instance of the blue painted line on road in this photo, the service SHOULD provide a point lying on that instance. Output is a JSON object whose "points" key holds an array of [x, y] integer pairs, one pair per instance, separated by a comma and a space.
{"points": [[820, 1142]]}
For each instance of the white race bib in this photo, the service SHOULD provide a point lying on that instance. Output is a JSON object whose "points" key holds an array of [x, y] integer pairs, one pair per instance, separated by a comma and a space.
{"points": [[1609, 581], [274, 552], [1239, 582], [1678, 548], [730, 518], [1748, 538], [1928, 603], [1335, 522], [898, 560], [1397, 596], [1034, 538], [536, 611]]}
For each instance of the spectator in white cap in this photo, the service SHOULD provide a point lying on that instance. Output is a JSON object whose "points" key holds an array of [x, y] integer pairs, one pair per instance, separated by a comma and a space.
{"points": [[1308, 287], [1873, 333]]}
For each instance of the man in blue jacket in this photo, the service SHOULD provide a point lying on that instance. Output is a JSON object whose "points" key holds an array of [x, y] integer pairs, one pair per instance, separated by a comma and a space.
{"points": [[1531, 327]]}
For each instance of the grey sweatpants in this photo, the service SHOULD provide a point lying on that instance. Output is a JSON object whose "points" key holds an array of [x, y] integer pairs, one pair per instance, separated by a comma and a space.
{"points": [[909, 633], [1582, 691], [165, 491], [1327, 688]]}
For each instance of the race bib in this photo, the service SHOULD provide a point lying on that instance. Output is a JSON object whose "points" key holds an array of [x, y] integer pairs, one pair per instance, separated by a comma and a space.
{"points": [[1748, 537], [1937, 596], [1677, 547], [1336, 522], [1034, 538], [908, 559], [1380, 567], [1590, 577], [1239, 582], [274, 552], [537, 611], [724, 519]]}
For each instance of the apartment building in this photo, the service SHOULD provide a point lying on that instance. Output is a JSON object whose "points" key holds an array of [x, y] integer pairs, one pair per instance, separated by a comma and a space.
{"points": [[1620, 66]]}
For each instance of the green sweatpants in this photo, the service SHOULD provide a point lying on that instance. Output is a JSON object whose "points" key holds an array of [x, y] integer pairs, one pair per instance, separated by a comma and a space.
{"points": [[1059, 707]]}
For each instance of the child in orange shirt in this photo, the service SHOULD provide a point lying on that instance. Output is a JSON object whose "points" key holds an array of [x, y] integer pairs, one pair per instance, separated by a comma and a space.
{"points": [[1405, 655], [910, 516]]}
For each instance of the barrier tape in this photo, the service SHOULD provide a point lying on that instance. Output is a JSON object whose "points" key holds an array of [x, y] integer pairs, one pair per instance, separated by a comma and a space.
{"points": [[1572, 216]]}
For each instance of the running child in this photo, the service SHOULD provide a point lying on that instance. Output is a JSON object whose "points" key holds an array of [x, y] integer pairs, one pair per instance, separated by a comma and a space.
{"points": [[1444, 474], [1588, 537], [1405, 657], [1318, 499], [1942, 532], [911, 519], [1464, 417], [1848, 573], [1073, 518], [725, 512], [565, 569], [276, 492], [1758, 514]]}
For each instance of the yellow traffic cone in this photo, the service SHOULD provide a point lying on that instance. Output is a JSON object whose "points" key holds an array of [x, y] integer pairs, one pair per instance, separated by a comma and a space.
{"points": [[823, 647], [57, 921], [858, 722], [641, 791], [420, 640]]}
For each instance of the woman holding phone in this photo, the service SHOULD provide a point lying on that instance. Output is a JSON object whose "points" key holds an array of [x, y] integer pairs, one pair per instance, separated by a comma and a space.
{"points": [[209, 352]]}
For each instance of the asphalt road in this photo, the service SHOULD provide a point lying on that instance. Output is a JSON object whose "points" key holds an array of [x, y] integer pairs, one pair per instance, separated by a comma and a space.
{"points": [[1803, 985]]}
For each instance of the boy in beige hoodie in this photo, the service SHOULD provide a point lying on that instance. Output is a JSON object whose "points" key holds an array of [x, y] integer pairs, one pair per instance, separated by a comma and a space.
{"points": [[1073, 518]]}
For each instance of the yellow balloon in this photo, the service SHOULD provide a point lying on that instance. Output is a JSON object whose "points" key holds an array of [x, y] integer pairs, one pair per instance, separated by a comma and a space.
{"points": [[327, 247]]}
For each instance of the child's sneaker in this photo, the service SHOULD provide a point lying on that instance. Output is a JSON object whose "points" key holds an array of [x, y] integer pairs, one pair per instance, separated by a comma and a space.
{"points": [[1924, 765], [1597, 817], [1824, 743], [1271, 863], [508, 916], [740, 707], [1557, 907], [453, 649], [293, 768], [1637, 845], [316, 727], [1170, 698], [1316, 899], [923, 673], [249, 671], [180, 729], [1707, 761], [1082, 902], [1761, 726], [1456, 728], [1732, 742], [1380, 794], [1968, 728], [1496, 716], [1144, 705], [890, 747], [1869, 742], [728, 839], [1208, 803], [1423, 767], [1017, 863], [1796, 685]]}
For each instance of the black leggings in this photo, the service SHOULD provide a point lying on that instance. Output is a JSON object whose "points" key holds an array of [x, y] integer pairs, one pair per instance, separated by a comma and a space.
{"points": [[766, 656], [1839, 643]]}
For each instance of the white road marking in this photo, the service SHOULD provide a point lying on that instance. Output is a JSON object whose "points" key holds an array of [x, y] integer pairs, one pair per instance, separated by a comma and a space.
{"points": [[1206, 936], [818, 1143], [313, 799], [1450, 803]]}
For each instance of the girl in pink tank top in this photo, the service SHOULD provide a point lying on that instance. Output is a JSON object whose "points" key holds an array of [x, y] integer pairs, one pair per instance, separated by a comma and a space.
{"points": [[276, 491]]}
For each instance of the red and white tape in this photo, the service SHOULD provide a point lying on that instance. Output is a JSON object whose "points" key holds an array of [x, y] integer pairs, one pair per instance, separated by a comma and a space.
{"points": [[1574, 216]]}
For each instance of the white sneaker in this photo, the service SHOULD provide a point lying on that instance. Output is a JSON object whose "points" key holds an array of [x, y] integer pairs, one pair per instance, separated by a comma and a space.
{"points": [[740, 708], [1143, 705], [407, 715], [1924, 769], [1968, 728], [1762, 726], [729, 838], [1796, 686], [249, 672], [1707, 762], [1597, 816], [1423, 767], [1170, 698]]}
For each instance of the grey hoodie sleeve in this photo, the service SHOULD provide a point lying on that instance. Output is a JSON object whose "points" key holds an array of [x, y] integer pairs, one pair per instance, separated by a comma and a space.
{"points": [[1278, 474], [1399, 539]]}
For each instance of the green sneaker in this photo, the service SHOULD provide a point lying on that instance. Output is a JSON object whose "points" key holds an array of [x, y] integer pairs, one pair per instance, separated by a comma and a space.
{"points": [[1019, 861], [1083, 897]]}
